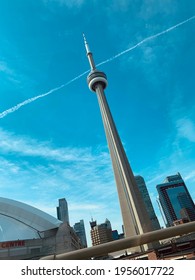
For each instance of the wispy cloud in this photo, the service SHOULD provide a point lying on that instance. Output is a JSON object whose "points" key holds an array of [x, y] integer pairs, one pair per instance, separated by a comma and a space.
{"points": [[78, 165], [150, 8], [186, 129], [190, 176], [8, 73], [13, 75], [25, 146], [67, 3], [4, 68], [82, 175]]}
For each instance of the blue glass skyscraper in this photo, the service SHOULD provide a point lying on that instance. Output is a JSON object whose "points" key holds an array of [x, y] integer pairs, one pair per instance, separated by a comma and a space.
{"points": [[175, 199], [62, 210], [79, 228], [148, 203]]}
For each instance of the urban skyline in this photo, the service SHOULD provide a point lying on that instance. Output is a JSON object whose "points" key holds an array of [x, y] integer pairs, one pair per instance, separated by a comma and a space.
{"points": [[47, 148], [169, 182], [62, 213]]}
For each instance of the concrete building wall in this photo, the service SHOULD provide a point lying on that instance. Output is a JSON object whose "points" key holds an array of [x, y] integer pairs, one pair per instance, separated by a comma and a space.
{"points": [[60, 240]]}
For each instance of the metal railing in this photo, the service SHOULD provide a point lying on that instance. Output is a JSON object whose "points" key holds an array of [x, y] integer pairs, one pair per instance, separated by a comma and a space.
{"points": [[125, 243]]}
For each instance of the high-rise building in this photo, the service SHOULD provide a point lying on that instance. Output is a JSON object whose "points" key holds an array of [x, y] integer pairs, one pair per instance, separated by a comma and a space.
{"points": [[135, 217], [116, 235], [148, 203], [101, 233], [62, 210], [79, 229], [175, 199]]}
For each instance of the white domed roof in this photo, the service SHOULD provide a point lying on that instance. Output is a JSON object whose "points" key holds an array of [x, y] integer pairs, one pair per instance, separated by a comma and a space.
{"points": [[27, 215]]}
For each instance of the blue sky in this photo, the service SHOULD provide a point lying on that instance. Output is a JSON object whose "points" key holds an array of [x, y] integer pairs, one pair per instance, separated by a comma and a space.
{"points": [[55, 146]]}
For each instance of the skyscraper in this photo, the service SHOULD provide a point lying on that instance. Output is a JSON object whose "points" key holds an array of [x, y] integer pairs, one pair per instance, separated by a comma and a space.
{"points": [[175, 200], [135, 216], [79, 229], [101, 233], [148, 203], [62, 210]]}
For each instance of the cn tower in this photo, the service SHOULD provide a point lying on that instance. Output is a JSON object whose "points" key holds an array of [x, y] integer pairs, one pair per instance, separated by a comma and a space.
{"points": [[135, 218]]}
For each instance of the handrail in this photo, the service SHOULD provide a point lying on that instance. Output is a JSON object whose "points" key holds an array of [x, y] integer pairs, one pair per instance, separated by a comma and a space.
{"points": [[125, 243]]}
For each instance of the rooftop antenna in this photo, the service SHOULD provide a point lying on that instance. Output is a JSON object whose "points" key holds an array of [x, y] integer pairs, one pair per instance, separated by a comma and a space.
{"points": [[89, 54]]}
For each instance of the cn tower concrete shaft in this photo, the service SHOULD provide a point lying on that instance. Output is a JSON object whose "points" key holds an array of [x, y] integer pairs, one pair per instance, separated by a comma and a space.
{"points": [[135, 217]]}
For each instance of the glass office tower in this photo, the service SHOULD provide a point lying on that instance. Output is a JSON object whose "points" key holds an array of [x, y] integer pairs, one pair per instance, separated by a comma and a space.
{"points": [[62, 210], [148, 203], [79, 228], [176, 200]]}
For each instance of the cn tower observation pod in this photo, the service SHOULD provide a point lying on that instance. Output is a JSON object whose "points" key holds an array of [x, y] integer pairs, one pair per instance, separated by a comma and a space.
{"points": [[27, 215]]}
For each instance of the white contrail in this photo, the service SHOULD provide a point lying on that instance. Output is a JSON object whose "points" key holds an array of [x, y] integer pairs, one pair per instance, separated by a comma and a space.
{"points": [[145, 40], [15, 108], [18, 106]]}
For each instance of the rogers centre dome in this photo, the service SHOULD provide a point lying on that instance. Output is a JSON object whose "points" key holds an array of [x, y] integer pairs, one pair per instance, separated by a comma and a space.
{"points": [[26, 220], [29, 233]]}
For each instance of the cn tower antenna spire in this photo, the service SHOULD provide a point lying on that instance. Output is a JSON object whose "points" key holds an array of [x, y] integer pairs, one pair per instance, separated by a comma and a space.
{"points": [[89, 54]]}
